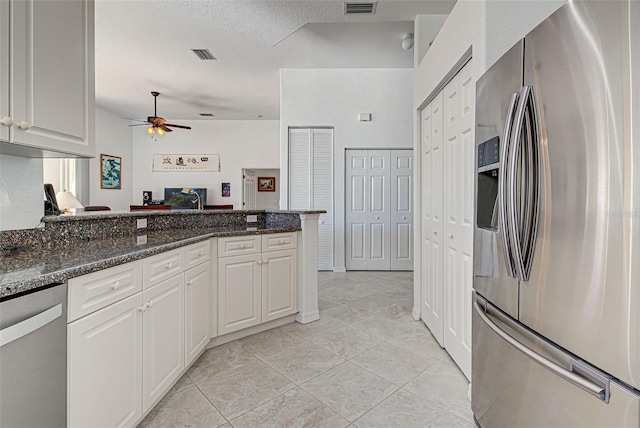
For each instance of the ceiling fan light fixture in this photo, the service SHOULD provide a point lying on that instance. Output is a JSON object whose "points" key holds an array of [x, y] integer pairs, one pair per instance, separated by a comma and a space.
{"points": [[160, 131], [150, 130]]}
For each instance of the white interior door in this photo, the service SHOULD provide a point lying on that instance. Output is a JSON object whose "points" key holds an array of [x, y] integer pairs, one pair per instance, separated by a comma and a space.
{"points": [[249, 190], [401, 210], [459, 149], [432, 301], [311, 182], [322, 194], [379, 213], [357, 203]]}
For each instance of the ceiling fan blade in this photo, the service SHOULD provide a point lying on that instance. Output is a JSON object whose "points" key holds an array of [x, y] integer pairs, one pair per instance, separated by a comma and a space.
{"points": [[137, 120], [165, 129], [177, 126], [141, 124]]}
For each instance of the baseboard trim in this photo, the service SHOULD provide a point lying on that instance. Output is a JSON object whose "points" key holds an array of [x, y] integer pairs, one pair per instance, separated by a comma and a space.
{"points": [[308, 317], [338, 269], [230, 337], [415, 313]]}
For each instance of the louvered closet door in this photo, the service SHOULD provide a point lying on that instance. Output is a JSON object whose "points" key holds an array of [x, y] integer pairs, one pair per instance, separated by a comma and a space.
{"points": [[401, 209], [300, 169], [459, 149], [432, 285], [311, 182], [357, 205], [322, 195], [249, 190]]}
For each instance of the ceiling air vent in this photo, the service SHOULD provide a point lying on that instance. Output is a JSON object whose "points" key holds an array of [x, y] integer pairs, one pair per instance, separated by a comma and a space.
{"points": [[359, 7], [204, 54]]}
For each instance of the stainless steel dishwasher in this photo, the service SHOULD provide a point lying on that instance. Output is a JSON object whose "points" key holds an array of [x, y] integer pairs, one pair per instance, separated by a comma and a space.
{"points": [[33, 358]]}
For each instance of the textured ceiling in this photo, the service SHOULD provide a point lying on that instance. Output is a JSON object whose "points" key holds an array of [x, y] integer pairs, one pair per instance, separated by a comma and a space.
{"points": [[145, 45]]}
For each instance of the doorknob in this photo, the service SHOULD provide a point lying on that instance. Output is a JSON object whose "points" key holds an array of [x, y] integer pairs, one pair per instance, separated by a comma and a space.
{"points": [[435, 232], [404, 218], [377, 218], [450, 236]]}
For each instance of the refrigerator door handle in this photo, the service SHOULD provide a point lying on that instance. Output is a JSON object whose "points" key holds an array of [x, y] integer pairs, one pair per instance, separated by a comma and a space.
{"points": [[533, 183], [600, 392], [514, 227], [502, 185]]}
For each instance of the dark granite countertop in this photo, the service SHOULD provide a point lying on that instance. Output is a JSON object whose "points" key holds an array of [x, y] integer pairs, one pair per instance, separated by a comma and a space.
{"points": [[28, 270]]}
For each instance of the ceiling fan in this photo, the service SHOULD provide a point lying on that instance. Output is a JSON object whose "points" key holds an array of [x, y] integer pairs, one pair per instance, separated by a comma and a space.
{"points": [[158, 124]]}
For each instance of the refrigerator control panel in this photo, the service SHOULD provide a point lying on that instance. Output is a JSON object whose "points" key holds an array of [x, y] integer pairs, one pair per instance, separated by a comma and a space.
{"points": [[489, 152]]}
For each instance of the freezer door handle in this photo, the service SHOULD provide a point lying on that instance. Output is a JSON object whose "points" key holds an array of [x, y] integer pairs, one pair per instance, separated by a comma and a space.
{"points": [[601, 392], [502, 185]]}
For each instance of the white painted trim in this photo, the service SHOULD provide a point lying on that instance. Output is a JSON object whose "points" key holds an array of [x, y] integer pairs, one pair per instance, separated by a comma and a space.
{"points": [[415, 313], [235, 335], [339, 269]]}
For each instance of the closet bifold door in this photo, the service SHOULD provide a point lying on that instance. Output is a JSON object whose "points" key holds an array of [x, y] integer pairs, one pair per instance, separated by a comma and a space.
{"points": [[401, 210], [357, 205], [300, 168], [322, 195]]}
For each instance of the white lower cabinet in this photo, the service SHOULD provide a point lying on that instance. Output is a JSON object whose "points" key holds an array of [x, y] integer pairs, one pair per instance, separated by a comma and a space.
{"points": [[259, 287], [239, 292], [105, 366], [125, 355], [197, 283], [162, 338], [279, 284]]}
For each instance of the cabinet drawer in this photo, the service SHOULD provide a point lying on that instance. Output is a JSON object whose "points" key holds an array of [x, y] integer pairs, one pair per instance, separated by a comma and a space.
{"points": [[157, 268], [94, 291], [197, 253], [238, 245], [279, 241]]}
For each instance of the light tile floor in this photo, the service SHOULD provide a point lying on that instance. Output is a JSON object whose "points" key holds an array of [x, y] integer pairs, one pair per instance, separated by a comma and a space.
{"points": [[365, 363]]}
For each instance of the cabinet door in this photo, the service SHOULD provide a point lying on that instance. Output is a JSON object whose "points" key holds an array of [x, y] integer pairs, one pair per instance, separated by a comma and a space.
{"points": [[197, 283], [239, 292], [163, 338], [4, 68], [52, 75], [279, 284], [105, 366]]}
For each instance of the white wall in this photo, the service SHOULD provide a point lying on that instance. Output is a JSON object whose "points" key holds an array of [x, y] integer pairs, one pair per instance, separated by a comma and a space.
{"points": [[334, 97], [21, 192], [268, 200], [113, 137], [487, 27], [240, 144]]}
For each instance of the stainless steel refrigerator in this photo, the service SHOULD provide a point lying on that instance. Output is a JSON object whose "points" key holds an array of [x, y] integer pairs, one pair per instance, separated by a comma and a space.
{"points": [[556, 324]]}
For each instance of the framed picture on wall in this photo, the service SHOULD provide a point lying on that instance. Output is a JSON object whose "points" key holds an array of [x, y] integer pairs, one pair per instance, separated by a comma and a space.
{"points": [[226, 190], [266, 184], [110, 172]]}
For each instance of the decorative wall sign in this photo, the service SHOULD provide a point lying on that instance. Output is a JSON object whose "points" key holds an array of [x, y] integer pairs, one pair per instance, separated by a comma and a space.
{"points": [[226, 190], [110, 172], [200, 163], [266, 184]]}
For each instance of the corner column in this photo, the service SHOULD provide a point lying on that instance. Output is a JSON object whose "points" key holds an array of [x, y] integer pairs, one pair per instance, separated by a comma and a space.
{"points": [[308, 276]]}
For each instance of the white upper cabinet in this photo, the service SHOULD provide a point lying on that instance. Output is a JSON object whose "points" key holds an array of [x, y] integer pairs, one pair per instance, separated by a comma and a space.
{"points": [[47, 68]]}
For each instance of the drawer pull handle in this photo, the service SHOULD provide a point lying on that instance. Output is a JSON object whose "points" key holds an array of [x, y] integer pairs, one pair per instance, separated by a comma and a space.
{"points": [[259, 262], [282, 241], [150, 304], [169, 265], [189, 282], [201, 253], [242, 246], [265, 261], [142, 308], [115, 285]]}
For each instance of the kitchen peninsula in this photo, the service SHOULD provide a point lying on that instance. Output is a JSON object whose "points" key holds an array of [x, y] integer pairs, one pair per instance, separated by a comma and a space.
{"points": [[152, 290]]}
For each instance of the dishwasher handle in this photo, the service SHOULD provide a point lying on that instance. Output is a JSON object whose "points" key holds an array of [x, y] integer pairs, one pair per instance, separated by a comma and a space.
{"points": [[601, 392], [21, 329]]}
